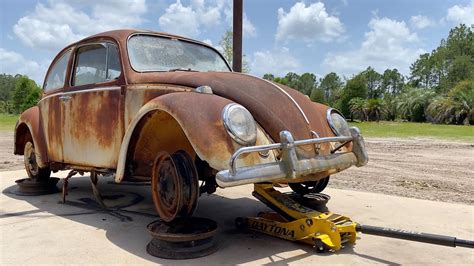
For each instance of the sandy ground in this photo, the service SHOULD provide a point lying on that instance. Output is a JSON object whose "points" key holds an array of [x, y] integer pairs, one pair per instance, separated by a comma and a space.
{"points": [[420, 168], [8, 161]]}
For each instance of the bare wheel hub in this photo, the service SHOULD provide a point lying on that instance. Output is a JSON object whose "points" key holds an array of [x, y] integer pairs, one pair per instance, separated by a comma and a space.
{"points": [[174, 185]]}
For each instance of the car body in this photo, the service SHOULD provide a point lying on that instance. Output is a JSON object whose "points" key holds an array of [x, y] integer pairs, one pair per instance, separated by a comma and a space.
{"points": [[128, 102]]}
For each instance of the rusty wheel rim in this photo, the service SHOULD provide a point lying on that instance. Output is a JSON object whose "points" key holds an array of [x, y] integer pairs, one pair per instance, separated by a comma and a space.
{"points": [[31, 165], [166, 187], [189, 177]]}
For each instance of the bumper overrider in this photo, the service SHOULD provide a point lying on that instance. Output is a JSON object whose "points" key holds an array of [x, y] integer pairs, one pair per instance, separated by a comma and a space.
{"points": [[290, 167]]}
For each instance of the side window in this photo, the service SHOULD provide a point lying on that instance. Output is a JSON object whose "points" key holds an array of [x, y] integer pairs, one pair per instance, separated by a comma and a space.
{"points": [[96, 63], [57, 75], [113, 62]]}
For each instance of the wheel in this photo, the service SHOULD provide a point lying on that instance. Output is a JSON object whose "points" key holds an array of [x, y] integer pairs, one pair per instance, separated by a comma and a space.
{"points": [[190, 182], [174, 185], [309, 186], [34, 172], [319, 246]]}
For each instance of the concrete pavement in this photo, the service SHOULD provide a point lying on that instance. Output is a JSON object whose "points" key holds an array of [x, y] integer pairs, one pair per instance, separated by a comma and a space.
{"points": [[40, 230]]}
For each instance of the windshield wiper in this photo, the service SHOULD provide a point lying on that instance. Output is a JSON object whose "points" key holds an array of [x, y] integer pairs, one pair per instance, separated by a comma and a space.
{"points": [[182, 69]]}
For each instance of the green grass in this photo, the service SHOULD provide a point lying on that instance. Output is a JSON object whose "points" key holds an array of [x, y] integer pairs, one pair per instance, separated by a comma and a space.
{"points": [[7, 122], [408, 129]]}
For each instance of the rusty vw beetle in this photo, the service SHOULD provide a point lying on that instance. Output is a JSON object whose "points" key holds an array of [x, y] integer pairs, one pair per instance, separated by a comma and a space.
{"points": [[152, 106]]}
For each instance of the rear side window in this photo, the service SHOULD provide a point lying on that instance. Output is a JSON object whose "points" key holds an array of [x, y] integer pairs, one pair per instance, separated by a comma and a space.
{"points": [[96, 63], [57, 75]]}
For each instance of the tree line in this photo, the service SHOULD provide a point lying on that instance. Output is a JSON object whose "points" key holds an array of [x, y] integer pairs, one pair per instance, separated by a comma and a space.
{"points": [[17, 93], [439, 88]]}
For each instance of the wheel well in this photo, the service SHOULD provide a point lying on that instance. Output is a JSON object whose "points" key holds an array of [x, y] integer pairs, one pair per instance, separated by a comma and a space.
{"points": [[156, 131], [22, 135]]}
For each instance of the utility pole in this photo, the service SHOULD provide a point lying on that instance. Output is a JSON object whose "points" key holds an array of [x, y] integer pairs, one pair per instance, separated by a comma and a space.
{"points": [[237, 36]]}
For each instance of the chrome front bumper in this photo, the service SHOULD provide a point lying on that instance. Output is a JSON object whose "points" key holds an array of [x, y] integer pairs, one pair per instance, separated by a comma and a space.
{"points": [[290, 167]]}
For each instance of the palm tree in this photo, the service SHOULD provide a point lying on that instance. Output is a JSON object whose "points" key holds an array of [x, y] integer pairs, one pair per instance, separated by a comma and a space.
{"points": [[412, 103], [455, 108], [358, 108], [374, 109]]}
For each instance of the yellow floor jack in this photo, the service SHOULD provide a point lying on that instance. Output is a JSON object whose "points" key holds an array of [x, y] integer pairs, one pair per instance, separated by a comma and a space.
{"points": [[306, 219]]}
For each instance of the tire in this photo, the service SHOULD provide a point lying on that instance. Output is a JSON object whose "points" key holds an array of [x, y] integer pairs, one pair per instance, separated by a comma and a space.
{"points": [[34, 172], [309, 186]]}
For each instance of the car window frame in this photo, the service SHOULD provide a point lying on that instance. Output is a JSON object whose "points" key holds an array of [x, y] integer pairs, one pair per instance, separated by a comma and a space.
{"points": [[51, 67], [115, 81], [171, 38]]}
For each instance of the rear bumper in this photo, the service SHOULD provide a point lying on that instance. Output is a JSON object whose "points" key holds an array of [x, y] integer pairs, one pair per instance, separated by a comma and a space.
{"points": [[290, 167]]}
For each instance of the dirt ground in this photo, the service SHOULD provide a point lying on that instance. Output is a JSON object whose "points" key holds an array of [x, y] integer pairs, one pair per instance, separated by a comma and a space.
{"points": [[416, 167], [8, 161]]}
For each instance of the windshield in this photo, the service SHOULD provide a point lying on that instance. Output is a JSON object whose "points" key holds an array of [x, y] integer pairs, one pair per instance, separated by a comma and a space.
{"points": [[154, 53]]}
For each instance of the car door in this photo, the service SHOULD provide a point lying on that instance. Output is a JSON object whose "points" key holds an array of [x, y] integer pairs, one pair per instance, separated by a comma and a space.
{"points": [[51, 108], [93, 112]]}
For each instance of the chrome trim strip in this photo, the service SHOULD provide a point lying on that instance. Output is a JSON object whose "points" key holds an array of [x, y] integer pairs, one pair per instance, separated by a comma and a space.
{"points": [[82, 91], [284, 92]]}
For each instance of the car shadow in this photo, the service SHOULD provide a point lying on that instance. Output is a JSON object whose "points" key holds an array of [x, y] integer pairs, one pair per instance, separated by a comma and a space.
{"points": [[131, 209]]}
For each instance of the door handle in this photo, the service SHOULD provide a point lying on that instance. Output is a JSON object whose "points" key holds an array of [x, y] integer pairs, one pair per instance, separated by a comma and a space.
{"points": [[65, 98]]}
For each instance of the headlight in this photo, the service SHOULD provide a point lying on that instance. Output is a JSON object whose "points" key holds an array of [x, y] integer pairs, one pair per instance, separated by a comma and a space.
{"points": [[338, 123], [240, 124]]}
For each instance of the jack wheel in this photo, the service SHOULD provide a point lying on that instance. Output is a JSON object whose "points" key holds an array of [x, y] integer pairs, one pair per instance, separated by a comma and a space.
{"points": [[319, 246], [174, 185], [310, 186]]}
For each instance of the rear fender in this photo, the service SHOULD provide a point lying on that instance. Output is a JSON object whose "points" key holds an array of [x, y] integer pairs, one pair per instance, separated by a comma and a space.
{"points": [[29, 124], [200, 118]]}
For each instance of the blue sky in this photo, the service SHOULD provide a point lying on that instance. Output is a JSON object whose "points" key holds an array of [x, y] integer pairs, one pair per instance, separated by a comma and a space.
{"points": [[343, 36]]}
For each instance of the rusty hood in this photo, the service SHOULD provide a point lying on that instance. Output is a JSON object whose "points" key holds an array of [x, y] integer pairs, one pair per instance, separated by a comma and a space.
{"points": [[274, 107]]}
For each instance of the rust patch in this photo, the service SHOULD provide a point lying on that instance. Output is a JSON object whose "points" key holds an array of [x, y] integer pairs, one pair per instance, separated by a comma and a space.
{"points": [[93, 128]]}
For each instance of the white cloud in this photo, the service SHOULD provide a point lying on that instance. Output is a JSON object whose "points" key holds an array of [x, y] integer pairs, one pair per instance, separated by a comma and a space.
{"points": [[58, 23], [421, 22], [388, 44], [200, 16], [14, 63], [308, 23], [181, 20], [278, 62], [248, 28], [461, 14]]}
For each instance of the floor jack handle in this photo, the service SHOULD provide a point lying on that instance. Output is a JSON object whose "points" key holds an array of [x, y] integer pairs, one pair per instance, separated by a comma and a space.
{"points": [[415, 236]]}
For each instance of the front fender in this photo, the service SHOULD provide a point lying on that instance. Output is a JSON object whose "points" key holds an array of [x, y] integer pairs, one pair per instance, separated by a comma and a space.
{"points": [[200, 117], [30, 121]]}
